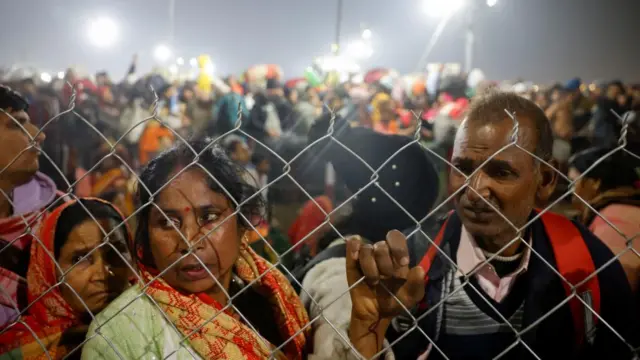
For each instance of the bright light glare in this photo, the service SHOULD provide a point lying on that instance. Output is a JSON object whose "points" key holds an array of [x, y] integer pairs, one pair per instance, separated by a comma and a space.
{"points": [[492, 3], [193, 62], [359, 50], [45, 77], [338, 63], [209, 68], [60, 75], [162, 53], [442, 8], [366, 34], [180, 61], [103, 32], [173, 69]]}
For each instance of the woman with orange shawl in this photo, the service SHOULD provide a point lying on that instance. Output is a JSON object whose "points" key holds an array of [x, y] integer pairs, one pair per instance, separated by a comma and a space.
{"points": [[206, 294], [93, 274]]}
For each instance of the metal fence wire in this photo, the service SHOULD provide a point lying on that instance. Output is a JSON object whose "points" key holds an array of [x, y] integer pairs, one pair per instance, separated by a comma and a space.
{"points": [[319, 314]]}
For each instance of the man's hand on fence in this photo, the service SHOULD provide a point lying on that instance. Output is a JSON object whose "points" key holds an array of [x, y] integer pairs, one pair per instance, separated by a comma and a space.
{"points": [[388, 288]]}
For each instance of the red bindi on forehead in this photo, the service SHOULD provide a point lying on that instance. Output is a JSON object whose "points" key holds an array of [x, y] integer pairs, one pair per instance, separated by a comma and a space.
{"points": [[187, 209]]}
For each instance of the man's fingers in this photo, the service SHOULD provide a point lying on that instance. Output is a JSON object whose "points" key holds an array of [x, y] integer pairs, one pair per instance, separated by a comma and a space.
{"points": [[368, 265], [383, 260], [397, 243], [414, 287], [353, 247], [353, 252]]}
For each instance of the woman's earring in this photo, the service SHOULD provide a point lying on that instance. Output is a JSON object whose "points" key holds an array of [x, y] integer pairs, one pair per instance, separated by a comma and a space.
{"points": [[109, 270]]}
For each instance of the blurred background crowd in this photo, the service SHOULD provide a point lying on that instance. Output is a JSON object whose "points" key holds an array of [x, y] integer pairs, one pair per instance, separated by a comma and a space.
{"points": [[265, 121], [330, 149]]}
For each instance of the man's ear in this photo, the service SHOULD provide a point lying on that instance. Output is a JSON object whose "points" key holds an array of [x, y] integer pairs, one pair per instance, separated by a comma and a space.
{"points": [[547, 181]]}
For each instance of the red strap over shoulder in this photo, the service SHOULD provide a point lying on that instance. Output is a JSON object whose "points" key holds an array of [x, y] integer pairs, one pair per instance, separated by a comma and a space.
{"points": [[427, 260], [575, 263], [428, 257]]}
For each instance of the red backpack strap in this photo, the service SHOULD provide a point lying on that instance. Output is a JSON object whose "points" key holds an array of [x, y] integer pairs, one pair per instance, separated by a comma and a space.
{"points": [[575, 264], [428, 257]]}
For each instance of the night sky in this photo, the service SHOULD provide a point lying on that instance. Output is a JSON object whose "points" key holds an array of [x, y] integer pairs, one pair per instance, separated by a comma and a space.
{"points": [[541, 40]]}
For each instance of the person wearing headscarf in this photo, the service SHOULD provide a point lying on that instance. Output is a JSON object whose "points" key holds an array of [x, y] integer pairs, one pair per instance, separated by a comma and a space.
{"points": [[185, 289], [612, 189], [93, 272]]}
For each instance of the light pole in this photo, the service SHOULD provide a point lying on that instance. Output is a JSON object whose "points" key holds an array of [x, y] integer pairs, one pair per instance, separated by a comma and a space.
{"points": [[444, 9], [469, 39]]}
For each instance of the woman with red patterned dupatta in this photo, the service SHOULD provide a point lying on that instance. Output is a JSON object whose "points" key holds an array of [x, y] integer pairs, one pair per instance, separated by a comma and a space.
{"points": [[89, 274], [205, 293]]}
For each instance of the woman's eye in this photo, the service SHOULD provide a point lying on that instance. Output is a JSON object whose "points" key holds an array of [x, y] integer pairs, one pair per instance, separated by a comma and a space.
{"points": [[210, 217], [169, 223], [79, 258]]}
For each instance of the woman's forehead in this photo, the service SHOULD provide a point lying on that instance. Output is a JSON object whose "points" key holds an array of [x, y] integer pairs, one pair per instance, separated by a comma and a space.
{"points": [[191, 186], [91, 233]]}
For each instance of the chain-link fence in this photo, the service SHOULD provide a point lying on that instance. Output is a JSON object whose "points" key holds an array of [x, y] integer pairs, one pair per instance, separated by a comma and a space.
{"points": [[165, 317]]}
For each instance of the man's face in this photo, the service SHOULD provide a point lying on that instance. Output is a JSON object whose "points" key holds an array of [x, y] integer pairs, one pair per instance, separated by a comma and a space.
{"points": [[188, 94], [293, 96], [29, 88], [18, 166], [508, 181], [613, 91], [556, 95], [541, 100], [387, 110], [241, 155]]}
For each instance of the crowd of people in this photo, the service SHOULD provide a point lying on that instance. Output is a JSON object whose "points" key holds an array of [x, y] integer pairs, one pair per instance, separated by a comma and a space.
{"points": [[140, 224]]}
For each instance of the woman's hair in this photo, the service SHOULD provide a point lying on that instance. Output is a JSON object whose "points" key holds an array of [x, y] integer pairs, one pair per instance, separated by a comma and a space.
{"points": [[76, 214], [615, 171], [229, 176]]}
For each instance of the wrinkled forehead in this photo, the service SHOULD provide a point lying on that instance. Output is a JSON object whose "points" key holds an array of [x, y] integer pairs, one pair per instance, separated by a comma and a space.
{"points": [[487, 137], [192, 187], [92, 232]]}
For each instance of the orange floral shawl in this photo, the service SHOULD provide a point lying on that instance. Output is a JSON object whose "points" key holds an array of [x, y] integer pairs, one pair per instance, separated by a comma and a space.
{"points": [[224, 336]]}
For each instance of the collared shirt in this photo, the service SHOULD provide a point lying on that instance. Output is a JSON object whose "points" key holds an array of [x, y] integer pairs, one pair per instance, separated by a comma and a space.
{"points": [[470, 256]]}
